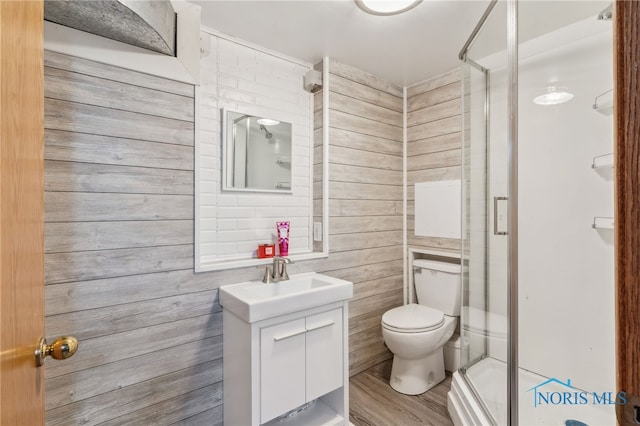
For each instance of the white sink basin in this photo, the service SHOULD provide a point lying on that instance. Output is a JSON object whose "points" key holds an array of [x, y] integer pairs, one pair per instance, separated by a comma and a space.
{"points": [[255, 301]]}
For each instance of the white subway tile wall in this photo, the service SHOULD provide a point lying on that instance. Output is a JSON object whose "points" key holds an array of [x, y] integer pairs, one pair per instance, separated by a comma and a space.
{"points": [[242, 79]]}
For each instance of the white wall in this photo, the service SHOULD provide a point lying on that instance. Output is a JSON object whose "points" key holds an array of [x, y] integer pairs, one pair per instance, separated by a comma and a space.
{"points": [[247, 80], [566, 268]]}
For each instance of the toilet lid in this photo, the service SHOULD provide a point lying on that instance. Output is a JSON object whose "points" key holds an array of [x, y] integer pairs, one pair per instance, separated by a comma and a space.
{"points": [[412, 318]]}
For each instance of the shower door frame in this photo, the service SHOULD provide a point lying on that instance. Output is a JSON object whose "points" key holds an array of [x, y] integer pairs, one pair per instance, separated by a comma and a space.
{"points": [[512, 215], [627, 190], [486, 111]]}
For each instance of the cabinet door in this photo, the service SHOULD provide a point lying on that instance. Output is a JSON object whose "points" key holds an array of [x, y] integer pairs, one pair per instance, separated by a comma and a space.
{"points": [[282, 365], [325, 355]]}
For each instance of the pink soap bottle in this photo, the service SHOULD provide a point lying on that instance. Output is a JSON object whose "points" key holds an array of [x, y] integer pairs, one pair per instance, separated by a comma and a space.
{"points": [[283, 237]]}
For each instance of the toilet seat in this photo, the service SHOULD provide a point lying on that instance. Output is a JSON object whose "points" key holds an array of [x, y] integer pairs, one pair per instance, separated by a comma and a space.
{"points": [[412, 318]]}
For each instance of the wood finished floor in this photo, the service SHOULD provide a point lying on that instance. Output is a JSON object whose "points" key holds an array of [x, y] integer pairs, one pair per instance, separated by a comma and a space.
{"points": [[374, 403]]}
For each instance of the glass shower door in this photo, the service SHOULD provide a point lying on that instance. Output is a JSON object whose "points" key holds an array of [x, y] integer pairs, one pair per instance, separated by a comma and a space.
{"points": [[563, 238], [484, 246]]}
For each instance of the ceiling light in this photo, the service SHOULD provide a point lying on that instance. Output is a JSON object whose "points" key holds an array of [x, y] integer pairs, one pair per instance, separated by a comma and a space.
{"points": [[268, 122], [387, 7], [553, 96]]}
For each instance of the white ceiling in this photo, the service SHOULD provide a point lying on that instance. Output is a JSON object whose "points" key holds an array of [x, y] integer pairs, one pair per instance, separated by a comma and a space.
{"points": [[404, 49]]}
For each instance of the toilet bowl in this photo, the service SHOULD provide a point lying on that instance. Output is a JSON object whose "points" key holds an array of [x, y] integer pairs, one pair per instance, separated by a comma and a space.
{"points": [[416, 333]]}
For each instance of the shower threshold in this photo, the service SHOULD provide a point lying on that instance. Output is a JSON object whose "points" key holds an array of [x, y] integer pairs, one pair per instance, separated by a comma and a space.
{"points": [[489, 378]]}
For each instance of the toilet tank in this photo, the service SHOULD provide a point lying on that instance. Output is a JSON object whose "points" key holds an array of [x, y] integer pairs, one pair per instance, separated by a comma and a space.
{"points": [[438, 285]]}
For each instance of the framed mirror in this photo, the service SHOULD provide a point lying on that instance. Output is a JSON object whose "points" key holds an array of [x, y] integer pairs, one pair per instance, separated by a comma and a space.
{"points": [[257, 153]]}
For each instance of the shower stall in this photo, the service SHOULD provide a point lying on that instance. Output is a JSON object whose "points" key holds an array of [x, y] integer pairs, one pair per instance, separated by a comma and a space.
{"points": [[538, 305]]}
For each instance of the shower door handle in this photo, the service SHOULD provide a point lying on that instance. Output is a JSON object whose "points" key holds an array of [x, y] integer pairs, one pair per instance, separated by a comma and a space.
{"points": [[500, 215]]}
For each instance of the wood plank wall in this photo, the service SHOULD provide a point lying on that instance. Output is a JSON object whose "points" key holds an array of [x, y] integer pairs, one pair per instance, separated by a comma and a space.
{"points": [[119, 252], [433, 144], [119, 240], [366, 207]]}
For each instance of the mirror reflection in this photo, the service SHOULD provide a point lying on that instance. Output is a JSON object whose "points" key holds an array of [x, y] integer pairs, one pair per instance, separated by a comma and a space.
{"points": [[257, 153]]}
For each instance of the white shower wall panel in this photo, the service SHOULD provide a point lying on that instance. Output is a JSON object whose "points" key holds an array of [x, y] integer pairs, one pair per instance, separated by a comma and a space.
{"points": [[566, 283], [566, 296]]}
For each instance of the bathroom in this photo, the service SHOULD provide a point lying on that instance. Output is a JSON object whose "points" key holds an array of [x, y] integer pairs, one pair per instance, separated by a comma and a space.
{"points": [[134, 256]]}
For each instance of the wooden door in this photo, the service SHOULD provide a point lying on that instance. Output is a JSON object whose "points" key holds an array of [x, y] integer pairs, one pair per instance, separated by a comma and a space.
{"points": [[21, 211], [627, 214]]}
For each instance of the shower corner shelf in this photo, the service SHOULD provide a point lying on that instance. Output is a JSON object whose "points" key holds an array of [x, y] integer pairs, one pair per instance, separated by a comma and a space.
{"points": [[602, 161], [602, 223], [283, 160], [603, 103]]}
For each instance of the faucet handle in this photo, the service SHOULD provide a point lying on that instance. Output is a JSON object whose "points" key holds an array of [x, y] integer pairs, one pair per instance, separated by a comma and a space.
{"points": [[284, 276], [281, 259], [268, 275]]}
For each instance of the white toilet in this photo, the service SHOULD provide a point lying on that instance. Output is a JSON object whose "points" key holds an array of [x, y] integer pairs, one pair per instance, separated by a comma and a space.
{"points": [[416, 333]]}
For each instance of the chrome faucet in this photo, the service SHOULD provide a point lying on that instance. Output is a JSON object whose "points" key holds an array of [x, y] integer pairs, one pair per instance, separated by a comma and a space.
{"points": [[276, 272]]}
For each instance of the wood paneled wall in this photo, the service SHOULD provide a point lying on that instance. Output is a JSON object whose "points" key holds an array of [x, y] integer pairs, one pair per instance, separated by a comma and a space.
{"points": [[365, 207], [119, 252], [119, 240], [433, 144]]}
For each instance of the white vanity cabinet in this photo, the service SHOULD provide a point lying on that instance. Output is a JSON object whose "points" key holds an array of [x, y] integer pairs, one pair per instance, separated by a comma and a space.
{"points": [[278, 364]]}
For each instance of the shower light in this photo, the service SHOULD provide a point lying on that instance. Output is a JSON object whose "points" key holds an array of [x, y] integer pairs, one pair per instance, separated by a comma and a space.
{"points": [[553, 96], [268, 122], [387, 7]]}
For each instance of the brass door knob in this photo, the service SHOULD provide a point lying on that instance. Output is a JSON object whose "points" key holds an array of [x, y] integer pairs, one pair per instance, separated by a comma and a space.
{"points": [[61, 348]]}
